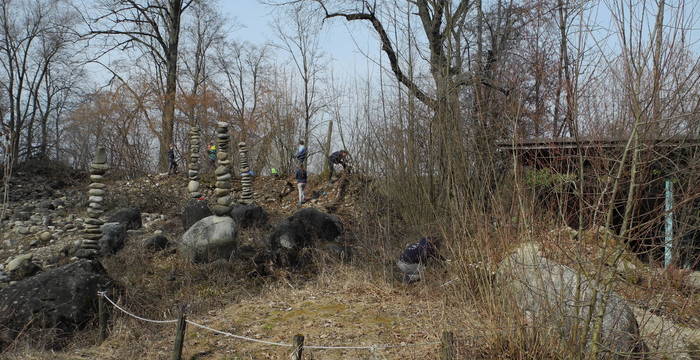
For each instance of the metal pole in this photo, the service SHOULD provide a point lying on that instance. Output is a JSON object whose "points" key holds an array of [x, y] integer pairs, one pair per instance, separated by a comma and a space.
{"points": [[668, 231]]}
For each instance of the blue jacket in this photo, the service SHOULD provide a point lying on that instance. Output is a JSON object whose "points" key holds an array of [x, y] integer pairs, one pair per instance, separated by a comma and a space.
{"points": [[301, 154], [419, 253]]}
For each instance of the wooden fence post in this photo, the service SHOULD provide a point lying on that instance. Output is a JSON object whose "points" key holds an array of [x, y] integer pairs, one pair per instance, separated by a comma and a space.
{"points": [[180, 335], [448, 349], [298, 347], [102, 317]]}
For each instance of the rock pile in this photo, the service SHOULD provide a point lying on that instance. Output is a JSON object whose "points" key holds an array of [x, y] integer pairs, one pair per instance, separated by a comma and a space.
{"points": [[222, 193], [89, 247], [193, 173], [246, 179]]}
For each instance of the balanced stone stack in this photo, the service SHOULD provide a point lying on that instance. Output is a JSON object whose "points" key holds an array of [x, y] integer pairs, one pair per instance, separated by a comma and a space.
{"points": [[193, 173], [89, 246], [246, 179], [222, 193]]}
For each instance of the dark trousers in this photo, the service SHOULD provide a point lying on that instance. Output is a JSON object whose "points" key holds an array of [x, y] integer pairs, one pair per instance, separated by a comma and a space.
{"points": [[173, 168]]}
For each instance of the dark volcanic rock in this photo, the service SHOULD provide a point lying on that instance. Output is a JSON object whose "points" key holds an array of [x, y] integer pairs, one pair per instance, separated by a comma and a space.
{"points": [[130, 217], [156, 243], [57, 302], [246, 216], [307, 228], [113, 238], [194, 211]]}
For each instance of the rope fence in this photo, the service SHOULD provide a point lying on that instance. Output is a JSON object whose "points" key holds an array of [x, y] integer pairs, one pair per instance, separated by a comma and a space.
{"points": [[447, 348]]}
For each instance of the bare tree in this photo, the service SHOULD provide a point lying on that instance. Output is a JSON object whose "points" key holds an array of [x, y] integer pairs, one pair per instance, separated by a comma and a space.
{"points": [[300, 40], [153, 27]]}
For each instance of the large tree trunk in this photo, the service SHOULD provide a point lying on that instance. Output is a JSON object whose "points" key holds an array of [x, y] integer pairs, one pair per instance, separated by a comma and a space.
{"points": [[175, 13]]}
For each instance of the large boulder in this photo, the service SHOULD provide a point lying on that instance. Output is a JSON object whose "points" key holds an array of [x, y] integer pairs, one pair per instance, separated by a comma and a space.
{"points": [[209, 239], [246, 216], [305, 229], [130, 217], [546, 292], [57, 302], [194, 211], [113, 238]]}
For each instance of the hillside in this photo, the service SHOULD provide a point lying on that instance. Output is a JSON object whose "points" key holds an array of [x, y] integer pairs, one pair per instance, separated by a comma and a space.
{"points": [[332, 302]]}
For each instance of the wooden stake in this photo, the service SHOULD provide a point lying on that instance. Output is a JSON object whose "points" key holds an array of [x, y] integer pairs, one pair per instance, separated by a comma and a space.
{"points": [[102, 318], [180, 335], [448, 350], [298, 347]]}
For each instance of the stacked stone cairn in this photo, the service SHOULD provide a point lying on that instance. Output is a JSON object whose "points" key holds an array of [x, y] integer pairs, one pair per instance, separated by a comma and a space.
{"points": [[246, 179], [89, 247], [222, 193], [193, 173]]}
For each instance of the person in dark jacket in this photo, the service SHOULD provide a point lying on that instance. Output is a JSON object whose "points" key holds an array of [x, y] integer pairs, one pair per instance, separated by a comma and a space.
{"points": [[415, 256], [341, 158], [172, 168], [300, 176]]}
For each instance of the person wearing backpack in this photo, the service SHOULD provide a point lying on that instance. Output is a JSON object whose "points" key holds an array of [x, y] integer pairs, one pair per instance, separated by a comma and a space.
{"points": [[415, 257]]}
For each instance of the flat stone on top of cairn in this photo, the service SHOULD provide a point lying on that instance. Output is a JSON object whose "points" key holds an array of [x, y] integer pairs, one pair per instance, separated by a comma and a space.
{"points": [[246, 179], [89, 246], [222, 193], [193, 173]]}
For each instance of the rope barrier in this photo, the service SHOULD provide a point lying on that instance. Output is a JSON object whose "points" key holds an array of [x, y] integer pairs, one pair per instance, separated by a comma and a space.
{"points": [[240, 337], [104, 294]]}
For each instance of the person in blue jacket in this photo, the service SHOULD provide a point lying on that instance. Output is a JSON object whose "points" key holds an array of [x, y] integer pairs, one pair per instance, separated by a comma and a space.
{"points": [[415, 256], [301, 153]]}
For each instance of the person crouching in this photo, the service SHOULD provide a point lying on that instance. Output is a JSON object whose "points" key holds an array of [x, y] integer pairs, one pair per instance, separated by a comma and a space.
{"points": [[414, 258]]}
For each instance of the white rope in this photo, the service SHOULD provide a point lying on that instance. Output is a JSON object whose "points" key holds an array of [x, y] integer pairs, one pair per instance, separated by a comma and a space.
{"points": [[317, 347], [104, 294], [238, 336], [370, 347]]}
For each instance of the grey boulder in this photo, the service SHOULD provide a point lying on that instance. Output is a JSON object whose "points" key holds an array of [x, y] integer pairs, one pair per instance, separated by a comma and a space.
{"points": [[546, 292], [209, 239]]}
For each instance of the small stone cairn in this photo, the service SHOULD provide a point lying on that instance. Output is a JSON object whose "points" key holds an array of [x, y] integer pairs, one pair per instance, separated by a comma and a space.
{"points": [[246, 179], [89, 247], [193, 173], [222, 193]]}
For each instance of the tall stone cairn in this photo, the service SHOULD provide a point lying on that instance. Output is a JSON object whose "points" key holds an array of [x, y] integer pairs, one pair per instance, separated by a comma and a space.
{"points": [[246, 179], [193, 173], [222, 193], [89, 247]]}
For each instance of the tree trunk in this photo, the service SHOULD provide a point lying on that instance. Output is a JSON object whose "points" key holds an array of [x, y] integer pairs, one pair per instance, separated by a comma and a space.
{"points": [[174, 12], [329, 135]]}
